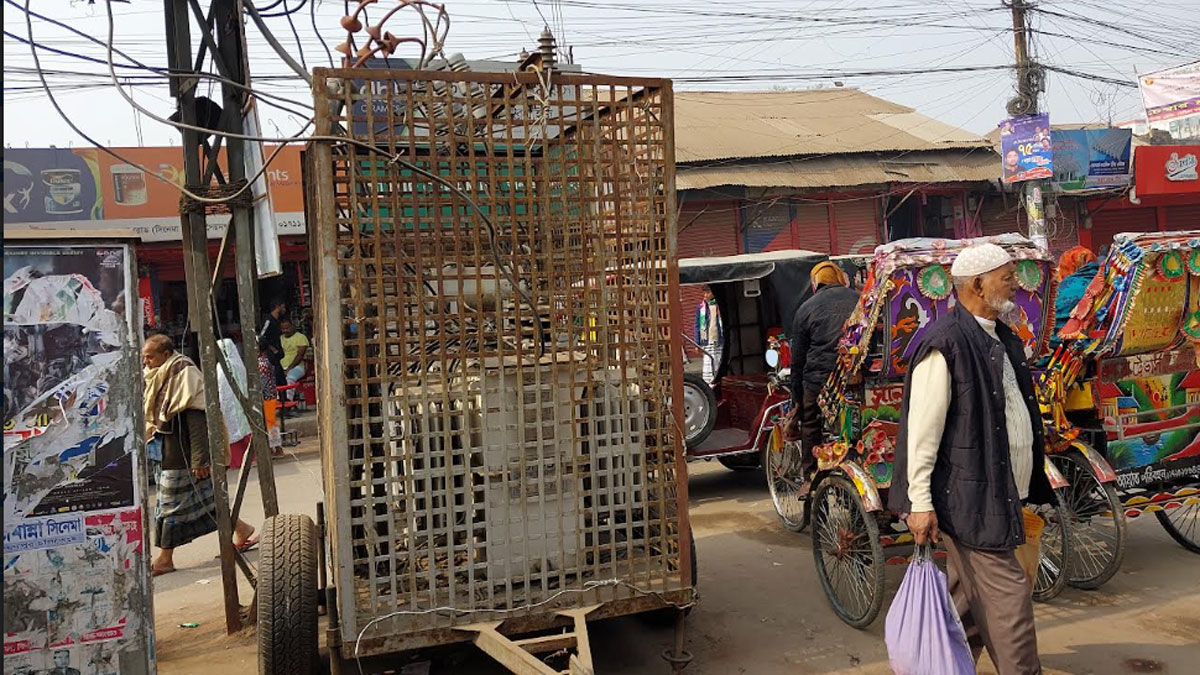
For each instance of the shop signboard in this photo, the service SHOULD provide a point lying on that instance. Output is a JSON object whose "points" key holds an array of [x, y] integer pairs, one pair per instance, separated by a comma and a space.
{"points": [[1172, 100], [88, 189], [1086, 159], [1026, 148], [1167, 170]]}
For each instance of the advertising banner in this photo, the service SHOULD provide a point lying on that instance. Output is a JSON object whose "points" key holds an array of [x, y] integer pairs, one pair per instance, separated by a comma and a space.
{"points": [[1026, 148], [1086, 159], [1172, 100], [85, 188]]}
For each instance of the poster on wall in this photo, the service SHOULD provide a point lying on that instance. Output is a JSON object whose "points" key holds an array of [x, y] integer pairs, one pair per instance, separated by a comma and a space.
{"points": [[73, 591], [76, 572], [1172, 100], [1086, 159], [1026, 148], [68, 424]]}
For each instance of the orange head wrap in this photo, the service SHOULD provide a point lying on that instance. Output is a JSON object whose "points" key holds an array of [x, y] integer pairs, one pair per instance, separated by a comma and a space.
{"points": [[1074, 258], [828, 274]]}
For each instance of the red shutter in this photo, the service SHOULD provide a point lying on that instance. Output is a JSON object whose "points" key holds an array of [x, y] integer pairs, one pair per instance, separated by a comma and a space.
{"points": [[1183, 217], [707, 229], [1110, 223], [766, 227], [856, 226], [999, 216], [812, 226]]}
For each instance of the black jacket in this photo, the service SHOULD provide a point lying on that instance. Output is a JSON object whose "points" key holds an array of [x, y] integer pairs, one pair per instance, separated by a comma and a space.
{"points": [[815, 332], [974, 494]]}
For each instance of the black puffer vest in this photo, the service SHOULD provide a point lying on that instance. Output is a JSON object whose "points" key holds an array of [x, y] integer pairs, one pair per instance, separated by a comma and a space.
{"points": [[974, 494]]}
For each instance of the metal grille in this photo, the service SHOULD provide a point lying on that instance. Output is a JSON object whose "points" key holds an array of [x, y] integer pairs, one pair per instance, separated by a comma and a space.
{"points": [[495, 401]]}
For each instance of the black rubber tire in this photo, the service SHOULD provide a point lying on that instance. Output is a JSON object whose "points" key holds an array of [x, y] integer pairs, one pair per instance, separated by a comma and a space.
{"points": [[287, 597], [1090, 500], [1186, 536], [1056, 550], [865, 532], [747, 461], [696, 436]]}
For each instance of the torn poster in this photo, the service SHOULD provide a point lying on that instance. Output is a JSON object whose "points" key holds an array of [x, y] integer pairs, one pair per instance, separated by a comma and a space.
{"points": [[71, 385], [76, 563], [79, 594]]}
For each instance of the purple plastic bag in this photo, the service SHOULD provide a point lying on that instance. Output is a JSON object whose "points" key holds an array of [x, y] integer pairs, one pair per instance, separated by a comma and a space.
{"points": [[923, 633]]}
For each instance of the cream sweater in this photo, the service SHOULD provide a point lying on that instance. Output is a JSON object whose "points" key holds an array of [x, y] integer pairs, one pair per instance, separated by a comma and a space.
{"points": [[930, 401]]}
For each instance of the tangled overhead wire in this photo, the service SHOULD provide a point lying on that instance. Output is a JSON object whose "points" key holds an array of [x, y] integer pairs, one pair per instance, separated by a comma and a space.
{"points": [[379, 41]]}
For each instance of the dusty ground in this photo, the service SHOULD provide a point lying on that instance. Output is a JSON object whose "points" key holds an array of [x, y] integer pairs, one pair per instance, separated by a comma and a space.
{"points": [[761, 611]]}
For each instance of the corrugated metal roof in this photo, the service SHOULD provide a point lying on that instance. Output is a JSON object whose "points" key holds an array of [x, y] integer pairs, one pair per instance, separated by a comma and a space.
{"points": [[711, 125], [945, 166]]}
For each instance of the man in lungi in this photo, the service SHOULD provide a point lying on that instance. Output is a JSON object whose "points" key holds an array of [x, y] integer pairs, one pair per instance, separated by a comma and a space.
{"points": [[969, 452], [175, 417]]}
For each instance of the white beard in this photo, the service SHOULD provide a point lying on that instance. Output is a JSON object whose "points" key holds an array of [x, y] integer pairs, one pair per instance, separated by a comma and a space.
{"points": [[1002, 307]]}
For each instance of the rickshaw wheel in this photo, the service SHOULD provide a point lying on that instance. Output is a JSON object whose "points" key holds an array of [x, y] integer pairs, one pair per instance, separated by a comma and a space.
{"points": [[1183, 524], [847, 552], [1055, 550], [699, 410], [1097, 526], [783, 482]]}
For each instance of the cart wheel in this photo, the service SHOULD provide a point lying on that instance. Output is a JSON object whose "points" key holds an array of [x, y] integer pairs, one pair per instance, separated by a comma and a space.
{"points": [[1183, 524], [287, 597], [847, 551], [1056, 550], [1097, 526], [784, 478], [699, 410]]}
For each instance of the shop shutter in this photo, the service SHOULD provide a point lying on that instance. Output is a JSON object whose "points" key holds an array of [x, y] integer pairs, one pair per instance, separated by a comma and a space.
{"points": [[999, 216], [707, 229], [812, 226], [856, 226], [766, 227], [1110, 223], [1183, 217]]}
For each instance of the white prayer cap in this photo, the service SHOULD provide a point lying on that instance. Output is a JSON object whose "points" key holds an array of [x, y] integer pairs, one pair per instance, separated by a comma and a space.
{"points": [[979, 259]]}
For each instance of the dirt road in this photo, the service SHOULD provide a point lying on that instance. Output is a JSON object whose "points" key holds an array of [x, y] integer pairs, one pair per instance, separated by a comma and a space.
{"points": [[762, 610]]}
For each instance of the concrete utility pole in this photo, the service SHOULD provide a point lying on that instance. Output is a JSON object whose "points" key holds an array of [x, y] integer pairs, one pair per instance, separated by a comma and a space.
{"points": [[1029, 85], [224, 18]]}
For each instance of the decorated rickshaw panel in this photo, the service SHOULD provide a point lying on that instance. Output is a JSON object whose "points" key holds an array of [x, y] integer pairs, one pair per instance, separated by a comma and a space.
{"points": [[919, 295], [1155, 317]]}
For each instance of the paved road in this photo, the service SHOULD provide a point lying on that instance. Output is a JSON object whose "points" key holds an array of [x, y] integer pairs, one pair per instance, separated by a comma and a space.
{"points": [[761, 611]]}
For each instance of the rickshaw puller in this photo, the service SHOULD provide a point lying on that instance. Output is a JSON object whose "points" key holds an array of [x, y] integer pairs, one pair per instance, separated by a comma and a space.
{"points": [[816, 330], [970, 452]]}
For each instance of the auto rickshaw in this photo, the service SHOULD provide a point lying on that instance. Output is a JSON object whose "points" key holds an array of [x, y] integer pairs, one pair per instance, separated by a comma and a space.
{"points": [[854, 536], [1121, 396], [730, 418]]}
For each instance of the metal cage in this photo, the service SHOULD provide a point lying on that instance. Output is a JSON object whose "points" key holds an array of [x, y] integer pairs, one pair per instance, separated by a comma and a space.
{"points": [[496, 294]]}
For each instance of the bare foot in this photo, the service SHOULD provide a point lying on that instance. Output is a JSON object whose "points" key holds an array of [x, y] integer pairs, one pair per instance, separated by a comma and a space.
{"points": [[159, 570]]}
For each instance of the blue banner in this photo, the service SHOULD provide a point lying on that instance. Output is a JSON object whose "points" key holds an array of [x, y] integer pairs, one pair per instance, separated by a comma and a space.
{"points": [[1086, 159]]}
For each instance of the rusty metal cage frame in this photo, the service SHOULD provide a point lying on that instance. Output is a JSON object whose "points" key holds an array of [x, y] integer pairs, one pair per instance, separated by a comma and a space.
{"points": [[495, 295]]}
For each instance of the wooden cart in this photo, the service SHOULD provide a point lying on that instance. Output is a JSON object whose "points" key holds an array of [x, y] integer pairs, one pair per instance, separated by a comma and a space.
{"points": [[498, 452]]}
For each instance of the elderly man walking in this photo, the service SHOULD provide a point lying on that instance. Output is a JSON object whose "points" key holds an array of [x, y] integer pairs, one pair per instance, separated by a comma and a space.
{"points": [[970, 452], [175, 418]]}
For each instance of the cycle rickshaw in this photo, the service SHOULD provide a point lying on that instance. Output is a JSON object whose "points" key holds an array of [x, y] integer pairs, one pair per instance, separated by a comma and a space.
{"points": [[854, 536], [1121, 396]]}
